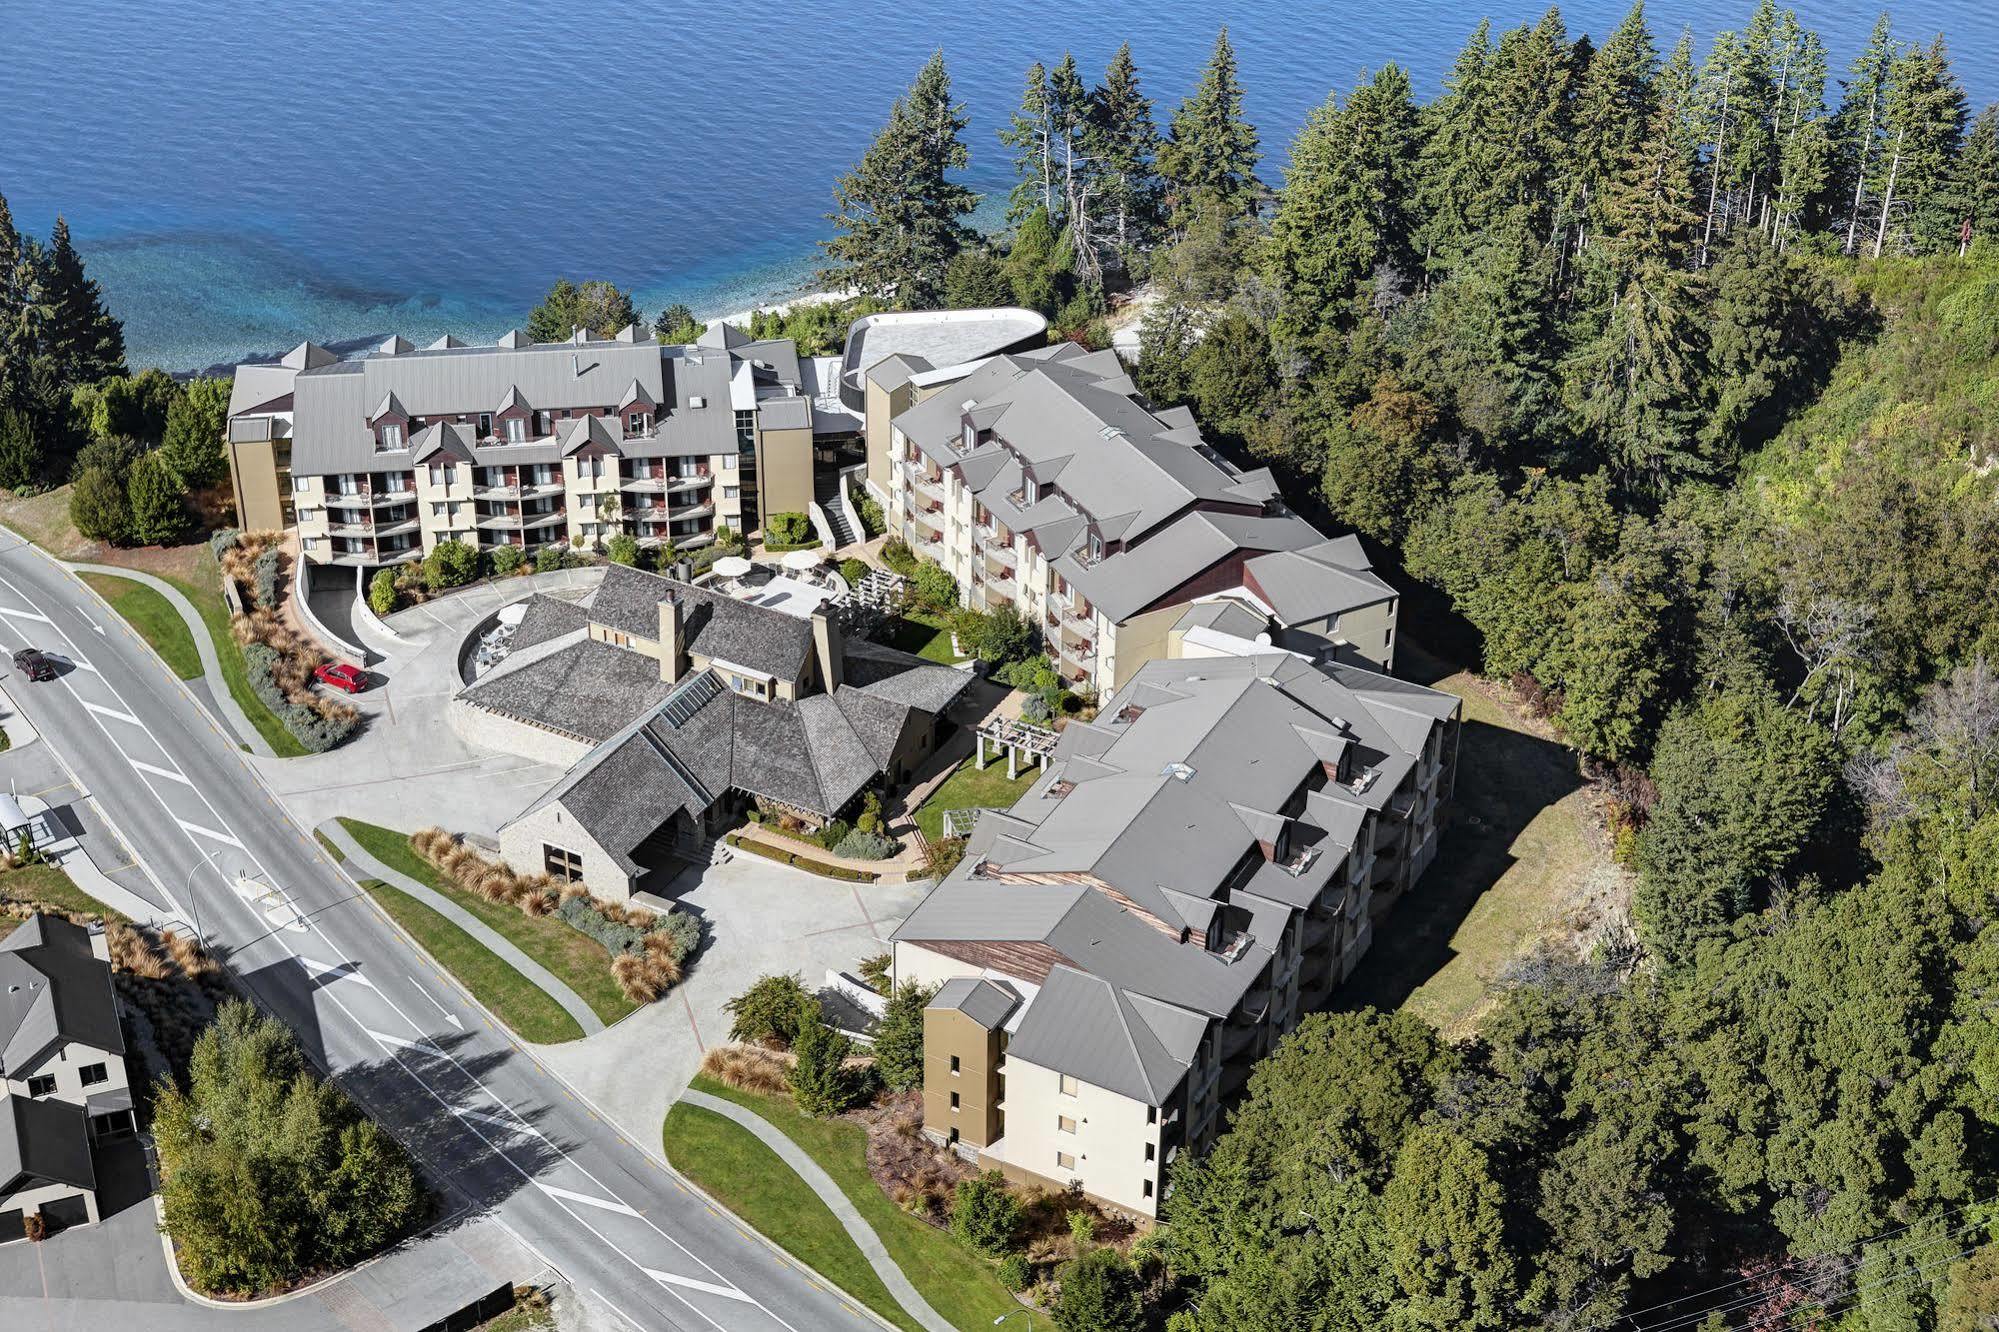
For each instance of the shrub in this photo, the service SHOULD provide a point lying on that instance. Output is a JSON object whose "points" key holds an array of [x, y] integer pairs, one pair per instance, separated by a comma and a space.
{"points": [[854, 571], [550, 558], [682, 930], [264, 576], [1034, 708], [934, 587], [942, 856], [1015, 1272], [1099, 1294], [833, 833], [858, 845], [584, 916], [870, 819], [382, 592], [897, 555], [869, 509], [788, 529], [875, 971], [899, 1037], [504, 560], [821, 1082], [316, 730], [450, 564], [221, 539], [98, 506], [623, 549], [806, 863], [771, 1011], [984, 1215], [728, 541]]}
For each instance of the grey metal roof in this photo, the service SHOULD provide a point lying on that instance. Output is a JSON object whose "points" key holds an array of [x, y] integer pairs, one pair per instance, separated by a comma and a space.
{"points": [[53, 989], [785, 413], [1084, 1026], [46, 1140], [1314, 582], [986, 1002]]}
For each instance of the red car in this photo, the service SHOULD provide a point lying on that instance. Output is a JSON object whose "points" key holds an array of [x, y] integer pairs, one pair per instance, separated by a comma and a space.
{"points": [[339, 675]]}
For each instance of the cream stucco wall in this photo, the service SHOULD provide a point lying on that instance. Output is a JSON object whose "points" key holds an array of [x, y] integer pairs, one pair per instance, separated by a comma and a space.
{"points": [[1108, 1145]]}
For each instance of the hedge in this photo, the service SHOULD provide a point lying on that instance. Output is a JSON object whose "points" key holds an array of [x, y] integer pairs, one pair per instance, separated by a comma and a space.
{"points": [[311, 728], [806, 863], [858, 845]]}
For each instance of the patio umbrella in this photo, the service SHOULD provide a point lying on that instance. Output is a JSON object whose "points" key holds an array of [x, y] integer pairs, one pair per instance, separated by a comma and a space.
{"points": [[800, 560], [732, 566]]}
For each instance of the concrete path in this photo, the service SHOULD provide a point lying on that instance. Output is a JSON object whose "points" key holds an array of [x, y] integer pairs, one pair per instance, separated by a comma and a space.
{"points": [[829, 1193], [492, 940], [211, 667]]}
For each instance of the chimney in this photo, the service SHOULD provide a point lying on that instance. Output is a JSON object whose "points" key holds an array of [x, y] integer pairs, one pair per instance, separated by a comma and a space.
{"points": [[672, 647], [829, 645]]}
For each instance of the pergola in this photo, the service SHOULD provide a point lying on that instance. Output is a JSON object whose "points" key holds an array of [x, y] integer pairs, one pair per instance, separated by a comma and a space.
{"points": [[1018, 739]]}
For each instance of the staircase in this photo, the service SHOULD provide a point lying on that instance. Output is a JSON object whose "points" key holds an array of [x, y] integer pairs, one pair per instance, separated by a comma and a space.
{"points": [[826, 490]]}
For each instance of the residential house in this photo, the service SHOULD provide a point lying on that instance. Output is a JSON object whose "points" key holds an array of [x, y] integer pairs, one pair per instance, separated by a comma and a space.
{"points": [[63, 1083], [1198, 867]]}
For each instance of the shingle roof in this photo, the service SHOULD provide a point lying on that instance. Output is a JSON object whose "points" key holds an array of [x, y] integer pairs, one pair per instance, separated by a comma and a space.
{"points": [[53, 989], [583, 687], [712, 623]]}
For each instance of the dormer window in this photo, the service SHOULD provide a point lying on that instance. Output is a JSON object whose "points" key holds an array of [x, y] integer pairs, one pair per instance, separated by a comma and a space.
{"points": [[1030, 490], [971, 436], [517, 430], [1096, 547], [637, 423], [543, 426], [485, 425], [391, 436]]}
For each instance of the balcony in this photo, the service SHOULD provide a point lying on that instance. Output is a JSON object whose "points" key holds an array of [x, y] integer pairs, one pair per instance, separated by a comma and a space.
{"points": [[930, 546], [999, 558], [507, 492], [347, 499], [351, 528], [395, 492], [538, 489], [398, 527], [498, 522], [696, 482], [701, 510], [923, 483], [647, 483], [921, 522], [545, 518]]}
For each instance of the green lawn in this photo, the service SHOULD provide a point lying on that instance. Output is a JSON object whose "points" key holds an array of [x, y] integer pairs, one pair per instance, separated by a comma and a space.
{"points": [[959, 1285], [749, 1179], [155, 618], [47, 886], [206, 596], [577, 960], [923, 632], [507, 994], [969, 787]]}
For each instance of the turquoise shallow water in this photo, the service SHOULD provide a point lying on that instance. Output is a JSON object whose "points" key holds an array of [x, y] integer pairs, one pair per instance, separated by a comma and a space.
{"points": [[244, 174]]}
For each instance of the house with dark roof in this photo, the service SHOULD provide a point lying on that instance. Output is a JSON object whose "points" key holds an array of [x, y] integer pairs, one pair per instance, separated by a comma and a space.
{"points": [[1196, 868], [673, 707], [1041, 480], [63, 1084]]}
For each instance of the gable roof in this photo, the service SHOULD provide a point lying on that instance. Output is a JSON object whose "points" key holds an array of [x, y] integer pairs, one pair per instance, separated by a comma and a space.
{"points": [[53, 989], [1084, 1026], [43, 1141], [713, 624]]}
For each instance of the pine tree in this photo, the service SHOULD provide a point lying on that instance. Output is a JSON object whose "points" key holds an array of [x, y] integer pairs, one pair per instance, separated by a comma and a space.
{"points": [[1124, 143], [1447, 1235], [21, 458], [1857, 128], [820, 1081], [1978, 179], [1211, 152], [1531, 81], [86, 342], [900, 217], [13, 352], [1922, 126], [899, 1037], [1613, 112], [1635, 388], [1458, 160], [1031, 135], [1805, 150], [1344, 209], [193, 441], [157, 499]]}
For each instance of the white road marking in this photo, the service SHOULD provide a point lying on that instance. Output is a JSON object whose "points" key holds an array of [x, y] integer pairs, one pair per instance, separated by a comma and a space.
{"points": [[608, 1204], [420, 1045], [167, 773], [726, 1292], [25, 615], [321, 970], [210, 833], [449, 1016], [103, 711], [496, 1121]]}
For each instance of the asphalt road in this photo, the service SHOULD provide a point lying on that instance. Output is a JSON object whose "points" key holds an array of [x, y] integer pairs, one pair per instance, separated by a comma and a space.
{"points": [[502, 1132]]}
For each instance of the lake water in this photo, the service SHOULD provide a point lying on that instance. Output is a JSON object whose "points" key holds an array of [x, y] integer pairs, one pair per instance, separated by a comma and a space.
{"points": [[246, 174]]}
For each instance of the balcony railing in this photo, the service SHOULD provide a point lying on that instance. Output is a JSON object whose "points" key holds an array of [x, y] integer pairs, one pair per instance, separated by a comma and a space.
{"points": [[495, 522], [922, 483], [507, 492], [695, 482]]}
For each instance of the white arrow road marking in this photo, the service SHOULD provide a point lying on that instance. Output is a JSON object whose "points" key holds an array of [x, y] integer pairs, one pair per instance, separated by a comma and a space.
{"points": [[449, 1016], [608, 1204], [726, 1292], [167, 773], [200, 831], [114, 714], [491, 1121], [421, 1046], [343, 972]]}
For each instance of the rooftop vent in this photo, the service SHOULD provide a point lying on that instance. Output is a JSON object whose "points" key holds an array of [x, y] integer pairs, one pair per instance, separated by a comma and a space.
{"points": [[1130, 712], [697, 400], [1179, 772], [968, 404]]}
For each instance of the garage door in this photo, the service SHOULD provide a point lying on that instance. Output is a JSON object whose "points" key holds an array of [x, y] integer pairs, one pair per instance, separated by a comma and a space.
{"points": [[13, 1225], [72, 1211]]}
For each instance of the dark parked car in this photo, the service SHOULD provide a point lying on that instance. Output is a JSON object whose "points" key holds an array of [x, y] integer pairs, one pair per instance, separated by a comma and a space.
{"points": [[35, 664], [339, 675]]}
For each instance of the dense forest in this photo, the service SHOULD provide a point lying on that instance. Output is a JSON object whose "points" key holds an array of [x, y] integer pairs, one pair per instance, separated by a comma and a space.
{"points": [[1674, 375]]}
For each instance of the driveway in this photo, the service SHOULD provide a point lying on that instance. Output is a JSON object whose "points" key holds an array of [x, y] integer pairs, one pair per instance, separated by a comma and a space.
{"points": [[408, 767], [762, 917]]}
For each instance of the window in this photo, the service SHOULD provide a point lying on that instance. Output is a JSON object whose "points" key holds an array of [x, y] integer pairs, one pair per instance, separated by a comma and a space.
{"points": [[731, 492], [43, 1085], [1064, 1124], [728, 462], [1150, 1151], [517, 430], [561, 864], [392, 436], [437, 474], [1146, 1185], [1064, 1161], [309, 543], [1067, 1085], [485, 424], [1030, 490], [91, 1074], [954, 1100], [542, 424], [1152, 1111], [954, 1066], [635, 423], [439, 509], [300, 485]]}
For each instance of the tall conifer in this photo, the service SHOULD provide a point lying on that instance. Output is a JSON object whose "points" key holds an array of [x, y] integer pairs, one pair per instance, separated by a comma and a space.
{"points": [[1124, 142], [85, 341], [1211, 151]]}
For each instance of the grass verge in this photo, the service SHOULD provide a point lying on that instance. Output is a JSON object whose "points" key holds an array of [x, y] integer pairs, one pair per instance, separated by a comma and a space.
{"points": [[958, 1284], [750, 1179], [508, 995], [972, 787], [205, 593], [574, 958], [155, 618], [47, 886]]}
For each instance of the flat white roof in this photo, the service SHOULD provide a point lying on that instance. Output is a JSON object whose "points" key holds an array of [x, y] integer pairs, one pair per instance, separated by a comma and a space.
{"points": [[940, 337]]}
